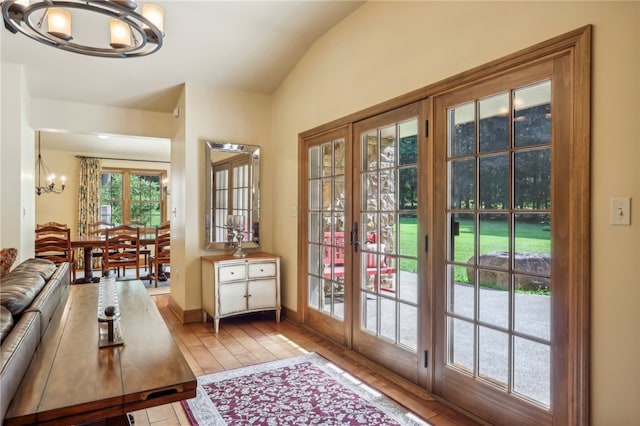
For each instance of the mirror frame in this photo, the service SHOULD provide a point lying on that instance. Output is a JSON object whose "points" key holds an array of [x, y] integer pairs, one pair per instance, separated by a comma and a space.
{"points": [[254, 151]]}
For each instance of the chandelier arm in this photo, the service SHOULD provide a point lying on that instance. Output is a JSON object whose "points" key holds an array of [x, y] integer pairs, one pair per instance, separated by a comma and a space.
{"points": [[41, 166]]}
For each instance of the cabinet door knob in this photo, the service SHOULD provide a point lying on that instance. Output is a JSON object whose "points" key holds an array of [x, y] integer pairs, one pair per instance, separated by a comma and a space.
{"points": [[261, 270]]}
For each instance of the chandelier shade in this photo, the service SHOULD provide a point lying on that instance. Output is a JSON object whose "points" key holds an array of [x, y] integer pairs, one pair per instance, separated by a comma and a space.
{"points": [[132, 34]]}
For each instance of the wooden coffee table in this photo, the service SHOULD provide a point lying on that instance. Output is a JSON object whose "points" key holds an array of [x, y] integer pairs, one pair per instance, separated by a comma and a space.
{"points": [[71, 380]]}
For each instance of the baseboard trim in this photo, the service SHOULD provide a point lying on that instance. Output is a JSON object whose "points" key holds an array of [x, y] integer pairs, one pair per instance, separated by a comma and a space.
{"points": [[185, 317], [290, 314]]}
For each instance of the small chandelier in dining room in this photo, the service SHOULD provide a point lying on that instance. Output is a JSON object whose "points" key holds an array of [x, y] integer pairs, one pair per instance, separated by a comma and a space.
{"points": [[133, 34], [41, 169]]}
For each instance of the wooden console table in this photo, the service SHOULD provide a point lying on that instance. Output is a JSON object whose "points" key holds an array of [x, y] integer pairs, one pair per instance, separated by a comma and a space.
{"points": [[71, 380]]}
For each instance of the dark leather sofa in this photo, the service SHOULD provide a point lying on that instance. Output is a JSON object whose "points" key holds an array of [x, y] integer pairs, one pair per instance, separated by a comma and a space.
{"points": [[29, 296]]}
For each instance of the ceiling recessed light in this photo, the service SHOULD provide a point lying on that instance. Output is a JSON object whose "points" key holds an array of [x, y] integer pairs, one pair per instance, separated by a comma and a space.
{"points": [[103, 136]]}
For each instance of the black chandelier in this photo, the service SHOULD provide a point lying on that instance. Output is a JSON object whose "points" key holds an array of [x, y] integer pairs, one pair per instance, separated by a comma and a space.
{"points": [[132, 34], [42, 169]]}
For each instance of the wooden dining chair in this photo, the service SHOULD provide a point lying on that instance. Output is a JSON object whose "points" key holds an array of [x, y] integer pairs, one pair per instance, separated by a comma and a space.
{"points": [[59, 225], [162, 251], [98, 229], [145, 252], [54, 243], [122, 248]]}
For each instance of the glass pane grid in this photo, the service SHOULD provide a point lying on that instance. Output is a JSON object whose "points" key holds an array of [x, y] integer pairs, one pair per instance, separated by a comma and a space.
{"points": [[499, 254], [326, 228], [388, 237]]}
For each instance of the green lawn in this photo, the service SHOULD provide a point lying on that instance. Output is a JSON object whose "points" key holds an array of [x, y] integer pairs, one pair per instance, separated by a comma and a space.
{"points": [[530, 238]]}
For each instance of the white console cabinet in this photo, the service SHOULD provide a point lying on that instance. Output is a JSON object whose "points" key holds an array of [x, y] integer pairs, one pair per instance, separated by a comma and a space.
{"points": [[233, 286]]}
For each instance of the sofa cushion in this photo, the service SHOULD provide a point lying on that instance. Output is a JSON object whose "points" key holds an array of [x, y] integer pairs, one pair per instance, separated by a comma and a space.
{"points": [[44, 267], [19, 289], [6, 322], [7, 257]]}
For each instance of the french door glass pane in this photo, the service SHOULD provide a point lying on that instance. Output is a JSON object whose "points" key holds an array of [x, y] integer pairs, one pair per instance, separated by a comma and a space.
{"points": [[408, 143], [388, 317], [463, 242], [461, 291], [532, 179], [407, 240], [532, 115], [408, 188], [532, 234], [462, 183], [532, 312], [462, 130], [327, 159], [314, 292], [494, 240], [532, 372], [494, 181], [460, 351], [369, 311], [408, 281], [493, 125], [494, 297], [407, 322], [493, 356], [314, 162], [499, 254]]}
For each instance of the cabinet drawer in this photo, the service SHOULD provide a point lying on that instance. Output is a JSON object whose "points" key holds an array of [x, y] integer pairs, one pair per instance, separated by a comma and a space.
{"points": [[260, 270], [231, 273]]}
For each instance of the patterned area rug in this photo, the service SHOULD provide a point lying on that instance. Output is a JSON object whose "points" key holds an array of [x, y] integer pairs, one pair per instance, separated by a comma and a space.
{"points": [[305, 390]]}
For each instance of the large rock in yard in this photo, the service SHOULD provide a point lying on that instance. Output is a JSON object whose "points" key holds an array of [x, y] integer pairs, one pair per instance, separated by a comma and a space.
{"points": [[491, 265]]}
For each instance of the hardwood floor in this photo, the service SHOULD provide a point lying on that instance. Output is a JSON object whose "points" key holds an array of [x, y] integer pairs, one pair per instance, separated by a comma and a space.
{"points": [[253, 339]]}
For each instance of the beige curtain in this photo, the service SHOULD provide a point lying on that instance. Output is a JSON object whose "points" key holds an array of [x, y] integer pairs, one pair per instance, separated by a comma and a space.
{"points": [[88, 198]]}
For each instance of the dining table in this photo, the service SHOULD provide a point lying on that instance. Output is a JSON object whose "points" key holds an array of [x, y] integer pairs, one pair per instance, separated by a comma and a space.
{"points": [[90, 242]]}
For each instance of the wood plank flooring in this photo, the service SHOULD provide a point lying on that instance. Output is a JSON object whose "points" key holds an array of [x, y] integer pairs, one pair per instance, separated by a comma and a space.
{"points": [[253, 339]]}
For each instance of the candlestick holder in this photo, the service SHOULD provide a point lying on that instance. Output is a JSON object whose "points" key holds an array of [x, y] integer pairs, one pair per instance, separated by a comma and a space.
{"points": [[236, 224]]}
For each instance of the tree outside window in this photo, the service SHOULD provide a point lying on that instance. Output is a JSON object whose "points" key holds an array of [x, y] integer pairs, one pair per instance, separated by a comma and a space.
{"points": [[132, 196]]}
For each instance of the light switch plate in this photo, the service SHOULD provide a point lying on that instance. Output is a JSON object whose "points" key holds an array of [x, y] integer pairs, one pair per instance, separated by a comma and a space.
{"points": [[621, 211]]}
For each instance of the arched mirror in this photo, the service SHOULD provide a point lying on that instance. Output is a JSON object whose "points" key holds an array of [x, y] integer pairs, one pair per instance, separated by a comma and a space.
{"points": [[232, 195]]}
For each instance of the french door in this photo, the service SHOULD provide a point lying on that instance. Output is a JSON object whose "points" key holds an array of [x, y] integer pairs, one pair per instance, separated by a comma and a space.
{"points": [[389, 282], [448, 239], [327, 295], [363, 286], [499, 261]]}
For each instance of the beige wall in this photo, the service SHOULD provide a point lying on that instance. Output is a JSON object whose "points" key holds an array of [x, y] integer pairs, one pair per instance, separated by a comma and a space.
{"points": [[16, 164], [386, 49], [61, 208], [217, 115]]}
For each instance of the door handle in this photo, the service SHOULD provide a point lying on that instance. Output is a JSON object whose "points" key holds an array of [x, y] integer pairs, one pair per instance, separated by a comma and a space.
{"points": [[354, 237]]}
